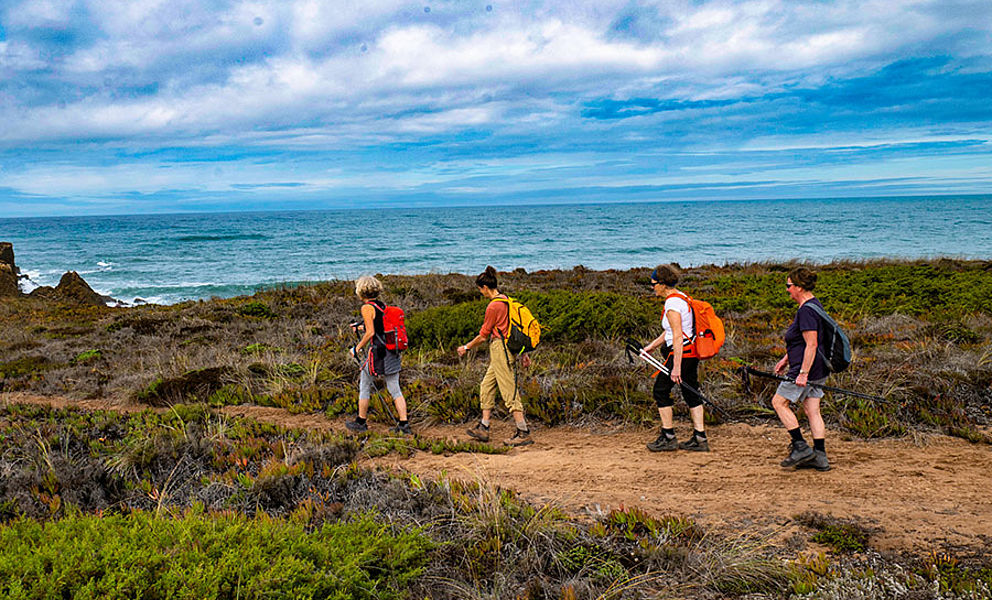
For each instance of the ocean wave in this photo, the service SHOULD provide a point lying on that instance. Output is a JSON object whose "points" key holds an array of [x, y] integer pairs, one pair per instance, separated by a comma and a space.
{"points": [[221, 237]]}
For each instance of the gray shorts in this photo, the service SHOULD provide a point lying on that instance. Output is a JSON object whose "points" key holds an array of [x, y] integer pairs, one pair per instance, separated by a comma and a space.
{"points": [[794, 393]]}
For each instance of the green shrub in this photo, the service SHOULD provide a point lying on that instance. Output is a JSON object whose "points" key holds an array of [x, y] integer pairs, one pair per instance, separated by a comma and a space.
{"points": [[257, 309], [203, 556], [841, 535], [87, 356], [28, 365]]}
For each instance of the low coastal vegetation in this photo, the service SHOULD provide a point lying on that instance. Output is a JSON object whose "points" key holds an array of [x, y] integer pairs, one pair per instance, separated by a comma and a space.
{"points": [[211, 506], [921, 333], [188, 503]]}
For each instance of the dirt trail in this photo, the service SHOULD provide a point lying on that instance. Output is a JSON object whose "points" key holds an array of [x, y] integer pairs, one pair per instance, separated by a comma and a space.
{"points": [[917, 495]]}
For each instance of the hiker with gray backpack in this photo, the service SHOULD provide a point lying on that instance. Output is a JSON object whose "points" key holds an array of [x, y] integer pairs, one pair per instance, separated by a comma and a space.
{"points": [[814, 346]]}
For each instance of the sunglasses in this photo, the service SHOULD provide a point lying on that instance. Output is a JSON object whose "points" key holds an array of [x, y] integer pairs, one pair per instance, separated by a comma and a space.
{"points": [[789, 285]]}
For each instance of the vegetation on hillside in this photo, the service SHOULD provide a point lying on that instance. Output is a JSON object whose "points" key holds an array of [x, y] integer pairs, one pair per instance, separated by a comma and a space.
{"points": [[921, 332], [189, 504]]}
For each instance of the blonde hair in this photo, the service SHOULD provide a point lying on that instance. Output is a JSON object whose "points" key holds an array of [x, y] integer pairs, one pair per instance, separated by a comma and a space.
{"points": [[368, 287]]}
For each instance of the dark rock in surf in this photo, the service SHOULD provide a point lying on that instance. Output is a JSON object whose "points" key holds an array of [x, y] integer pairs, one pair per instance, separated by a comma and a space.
{"points": [[72, 289], [9, 273]]}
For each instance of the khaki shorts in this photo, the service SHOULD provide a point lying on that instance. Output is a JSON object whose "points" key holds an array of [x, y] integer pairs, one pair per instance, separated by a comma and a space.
{"points": [[795, 393]]}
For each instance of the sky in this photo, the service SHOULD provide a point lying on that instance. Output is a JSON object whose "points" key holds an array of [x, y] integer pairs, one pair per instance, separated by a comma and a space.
{"points": [[155, 106]]}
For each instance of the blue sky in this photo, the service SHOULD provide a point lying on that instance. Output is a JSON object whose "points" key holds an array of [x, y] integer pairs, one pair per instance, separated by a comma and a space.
{"points": [[175, 105]]}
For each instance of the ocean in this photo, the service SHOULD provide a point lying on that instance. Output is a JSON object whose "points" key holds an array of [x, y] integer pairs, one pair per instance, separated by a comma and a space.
{"points": [[170, 258]]}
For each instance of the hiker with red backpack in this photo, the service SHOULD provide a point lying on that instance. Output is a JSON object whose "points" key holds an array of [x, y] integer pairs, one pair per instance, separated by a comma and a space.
{"points": [[384, 335], [807, 367], [501, 374], [681, 359]]}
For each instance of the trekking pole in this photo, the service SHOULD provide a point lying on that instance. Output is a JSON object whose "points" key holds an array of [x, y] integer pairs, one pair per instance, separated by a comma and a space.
{"points": [[747, 371], [635, 347], [383, 405]]}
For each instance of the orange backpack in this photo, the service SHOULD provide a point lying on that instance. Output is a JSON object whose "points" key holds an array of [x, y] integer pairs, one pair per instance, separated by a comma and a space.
{"points": [[707, 328]]}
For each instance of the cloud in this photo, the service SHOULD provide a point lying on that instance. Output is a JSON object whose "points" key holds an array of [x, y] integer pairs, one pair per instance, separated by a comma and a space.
{"points": [[146, 97]]}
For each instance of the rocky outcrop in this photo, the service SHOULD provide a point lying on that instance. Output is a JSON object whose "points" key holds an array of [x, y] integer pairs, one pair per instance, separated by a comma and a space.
{"points": [[73, 289], [8, 271]]}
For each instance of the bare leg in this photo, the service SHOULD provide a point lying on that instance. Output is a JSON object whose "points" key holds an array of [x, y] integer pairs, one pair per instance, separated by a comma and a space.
{"points": [[363, 408], [816, 426], [696, 413], [667, 421], [518, 416], [784, 412], [400, 403]]}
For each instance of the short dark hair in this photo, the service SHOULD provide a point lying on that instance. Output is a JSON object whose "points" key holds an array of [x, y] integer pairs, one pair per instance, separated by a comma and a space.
{"points": [[487, 278], [666, 275], [804, 278]]}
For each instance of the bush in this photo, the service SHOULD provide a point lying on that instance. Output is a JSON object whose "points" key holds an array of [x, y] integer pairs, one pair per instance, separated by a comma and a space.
{"points": [[203, 556]]}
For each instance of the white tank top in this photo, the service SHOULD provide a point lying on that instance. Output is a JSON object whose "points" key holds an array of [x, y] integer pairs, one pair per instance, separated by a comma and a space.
{"points": [[682, 307]]}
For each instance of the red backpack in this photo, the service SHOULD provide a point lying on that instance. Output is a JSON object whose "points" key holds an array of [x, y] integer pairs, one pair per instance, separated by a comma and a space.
{"points": [[394, 327], [707, 328]]}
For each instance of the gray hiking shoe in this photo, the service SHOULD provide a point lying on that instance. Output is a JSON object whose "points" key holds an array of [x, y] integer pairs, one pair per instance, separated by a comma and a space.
{"points": [[479, 432], [819, 462], [695, 444], [799, 453], [664, 444], [356, 426], [401, 428], [520, 437]]}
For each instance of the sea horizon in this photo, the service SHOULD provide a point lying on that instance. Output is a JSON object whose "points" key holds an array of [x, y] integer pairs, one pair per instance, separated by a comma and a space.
{"points": [[166, 258]]}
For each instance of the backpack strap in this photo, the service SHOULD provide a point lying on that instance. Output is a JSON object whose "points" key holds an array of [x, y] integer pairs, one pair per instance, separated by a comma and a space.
{"points": [[509, 322], [688, 301], [831, 324]]}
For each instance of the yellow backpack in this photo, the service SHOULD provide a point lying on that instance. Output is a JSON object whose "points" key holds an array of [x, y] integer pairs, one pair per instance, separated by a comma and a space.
{"points": [[525, 331]]}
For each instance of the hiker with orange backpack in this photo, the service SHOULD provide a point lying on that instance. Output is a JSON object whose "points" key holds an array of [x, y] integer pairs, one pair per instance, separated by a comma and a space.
{"points": [[385, 335], [501, 372], [682, 361]]}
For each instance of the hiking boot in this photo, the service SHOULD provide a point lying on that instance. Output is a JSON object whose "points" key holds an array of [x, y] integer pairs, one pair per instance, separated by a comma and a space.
{"points": [[799, 453], [401, 428], [479, 432], [695, 444], [356, 426], [819, 462], [520, 437], [664, 444]]}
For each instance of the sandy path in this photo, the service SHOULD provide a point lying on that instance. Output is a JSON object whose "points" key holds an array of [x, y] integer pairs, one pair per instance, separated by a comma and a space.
{"points": [[918, 495]]}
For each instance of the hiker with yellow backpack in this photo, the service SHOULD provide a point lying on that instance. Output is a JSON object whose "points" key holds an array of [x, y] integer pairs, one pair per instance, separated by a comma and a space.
{"points": [[511, 331], [691, 332]]}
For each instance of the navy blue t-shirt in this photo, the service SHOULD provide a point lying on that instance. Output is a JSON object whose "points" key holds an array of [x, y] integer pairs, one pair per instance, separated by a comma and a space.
{"points": [[795, 346]]}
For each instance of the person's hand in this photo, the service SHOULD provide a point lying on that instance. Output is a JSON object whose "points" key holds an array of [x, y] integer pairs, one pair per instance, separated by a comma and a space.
{"points": [[802, 379], [462, 350], [781, 365], [525, 361], [677, 374], [353, 351]]}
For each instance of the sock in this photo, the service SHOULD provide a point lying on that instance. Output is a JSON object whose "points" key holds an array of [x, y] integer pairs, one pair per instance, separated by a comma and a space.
{"points": [[669, 433], [819, 444], [525, 429], [701, 435], [484, 424], [360, 420], [404, 422], [797, 435]]}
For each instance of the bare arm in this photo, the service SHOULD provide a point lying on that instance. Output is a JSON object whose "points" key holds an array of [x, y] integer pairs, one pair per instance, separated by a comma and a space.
{"points": [[809, 355], [675, 320], [368, 315]]}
